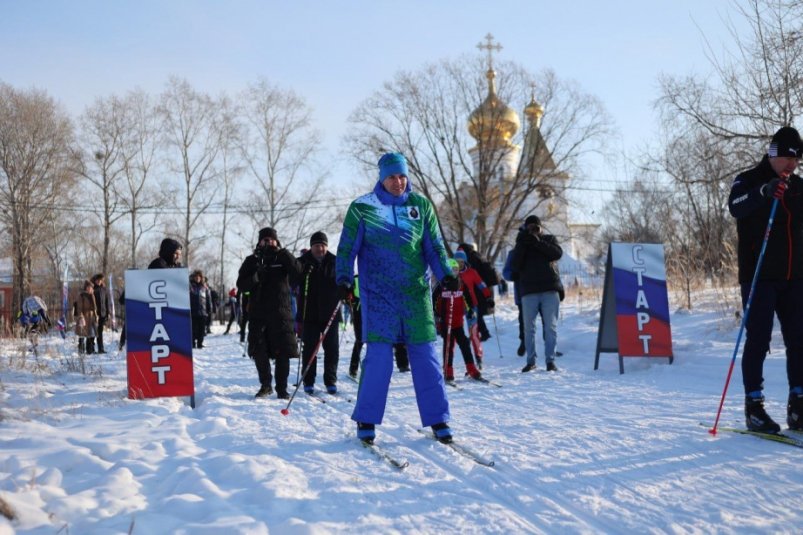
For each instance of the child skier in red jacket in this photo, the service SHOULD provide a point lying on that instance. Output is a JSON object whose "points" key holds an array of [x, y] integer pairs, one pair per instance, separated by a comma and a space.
{"points": [[450, 307]]}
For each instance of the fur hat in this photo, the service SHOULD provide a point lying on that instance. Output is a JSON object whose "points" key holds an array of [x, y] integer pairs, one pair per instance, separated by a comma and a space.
{"points": [[267, 232]]}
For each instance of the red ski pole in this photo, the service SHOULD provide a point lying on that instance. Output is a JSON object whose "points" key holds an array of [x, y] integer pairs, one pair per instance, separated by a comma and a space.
{"points": [[447, 341], [286, 410]]}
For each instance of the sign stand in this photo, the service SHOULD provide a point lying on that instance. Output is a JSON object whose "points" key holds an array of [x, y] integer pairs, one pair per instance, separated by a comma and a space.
{"points": [[634, 318], [159, 334]]}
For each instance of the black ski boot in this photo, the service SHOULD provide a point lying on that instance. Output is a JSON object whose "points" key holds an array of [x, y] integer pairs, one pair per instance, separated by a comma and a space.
{"points": [[442, 433], [794, 411], [366, 432], [264, 391], [756, 418]]}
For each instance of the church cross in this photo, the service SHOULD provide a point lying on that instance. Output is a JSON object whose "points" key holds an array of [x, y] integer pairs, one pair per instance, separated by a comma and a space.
{"points": [[490, 47]]}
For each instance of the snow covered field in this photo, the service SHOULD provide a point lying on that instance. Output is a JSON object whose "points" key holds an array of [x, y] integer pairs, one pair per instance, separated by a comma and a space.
{"points": [[578, 451]]}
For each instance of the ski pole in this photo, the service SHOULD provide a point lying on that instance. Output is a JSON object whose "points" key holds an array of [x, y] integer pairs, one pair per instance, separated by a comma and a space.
{"points": [[303, 319], [286, 410], [713, 430], [496, 333], [447, 342]]}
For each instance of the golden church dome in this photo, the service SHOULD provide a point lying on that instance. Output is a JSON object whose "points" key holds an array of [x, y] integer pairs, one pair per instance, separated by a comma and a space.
{"points": [[493, 121], [534, 111]]}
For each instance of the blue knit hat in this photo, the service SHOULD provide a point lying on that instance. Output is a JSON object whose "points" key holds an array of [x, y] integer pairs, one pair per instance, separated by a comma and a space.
{"points": [[460, 255], [392, 163]]}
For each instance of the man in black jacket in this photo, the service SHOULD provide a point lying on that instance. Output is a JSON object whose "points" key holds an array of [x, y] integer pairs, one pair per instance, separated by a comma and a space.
{"points": [[169, 255], [101, 307], [535, 263], [318, 299], [267, 275], [779, 285]]}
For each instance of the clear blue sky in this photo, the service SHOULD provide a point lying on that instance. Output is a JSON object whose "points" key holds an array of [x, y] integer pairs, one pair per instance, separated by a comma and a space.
{"points": [[336, 53]]}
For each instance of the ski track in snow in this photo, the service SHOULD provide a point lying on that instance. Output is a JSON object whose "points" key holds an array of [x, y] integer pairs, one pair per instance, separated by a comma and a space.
{"points": [[577, 451]]}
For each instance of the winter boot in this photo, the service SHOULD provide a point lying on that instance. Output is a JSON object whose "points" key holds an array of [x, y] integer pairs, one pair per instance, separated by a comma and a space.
{"points": [[309, 389], [264, 391], [551, 367], [528, 368], [442, 433], [521, 350], [366, 432], [448, 373], [756, 418], [794, 409], [472, 371], [282, 394], [331, 389]]}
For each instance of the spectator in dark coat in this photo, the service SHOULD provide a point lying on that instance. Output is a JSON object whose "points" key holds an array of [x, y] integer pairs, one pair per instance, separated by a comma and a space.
{"points": [[200, 307], [535, 260], [317, 301], [101, 308], [169, 255], [267, 275]]}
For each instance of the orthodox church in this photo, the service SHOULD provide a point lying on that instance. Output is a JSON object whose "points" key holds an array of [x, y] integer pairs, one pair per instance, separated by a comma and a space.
{"points": [[493, 124]]}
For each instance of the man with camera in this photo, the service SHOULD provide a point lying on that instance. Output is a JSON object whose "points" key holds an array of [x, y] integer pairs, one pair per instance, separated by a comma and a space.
{"points": [[267, 275], [535, 261]]}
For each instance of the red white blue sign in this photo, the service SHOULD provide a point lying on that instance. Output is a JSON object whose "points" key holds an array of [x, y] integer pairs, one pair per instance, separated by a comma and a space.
{"points": [[634, 320], [159, 333]]}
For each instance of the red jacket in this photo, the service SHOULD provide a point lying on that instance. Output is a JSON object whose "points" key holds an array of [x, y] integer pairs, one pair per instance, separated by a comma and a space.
{"points": [[461, 301], [471, 278]]}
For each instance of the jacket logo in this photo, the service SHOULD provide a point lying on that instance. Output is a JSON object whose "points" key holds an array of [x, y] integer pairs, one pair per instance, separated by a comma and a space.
{"points": [[412, 213]]}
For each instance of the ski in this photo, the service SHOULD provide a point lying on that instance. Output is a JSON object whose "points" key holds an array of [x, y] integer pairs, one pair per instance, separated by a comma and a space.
{"points": [[453, 385], [486, 381], [781, 438], [382, 454], [461, 449], [316, 397]]}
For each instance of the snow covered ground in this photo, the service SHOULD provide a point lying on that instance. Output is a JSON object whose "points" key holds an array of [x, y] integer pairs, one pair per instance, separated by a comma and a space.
{"points": [[578, 451]]}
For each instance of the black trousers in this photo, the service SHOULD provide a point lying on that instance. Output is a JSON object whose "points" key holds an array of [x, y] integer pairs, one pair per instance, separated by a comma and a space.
{"points": [[259, 349], [784, 298], [310, 335], [459, 335], [198, 330], [99, 337]]}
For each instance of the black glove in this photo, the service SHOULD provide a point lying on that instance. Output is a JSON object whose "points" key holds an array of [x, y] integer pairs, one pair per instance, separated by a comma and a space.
{"points": [[450, 283], [345, 293], [774, 188], [489, 302]]}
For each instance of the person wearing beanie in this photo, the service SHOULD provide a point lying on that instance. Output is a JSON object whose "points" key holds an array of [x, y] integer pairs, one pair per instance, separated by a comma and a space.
{"points": [[772, 183], [394, 236], [265, 278], [477, 290], [535, 259], [317, 300], [450, 307]]}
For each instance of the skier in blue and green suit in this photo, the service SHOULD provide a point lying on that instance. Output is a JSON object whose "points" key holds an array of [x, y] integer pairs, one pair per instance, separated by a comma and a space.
{"points": [[393, 233]]}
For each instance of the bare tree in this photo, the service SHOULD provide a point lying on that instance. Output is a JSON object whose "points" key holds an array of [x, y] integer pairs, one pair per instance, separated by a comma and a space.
{"points": [[138, 197], [36, 162], [103, 161], [423, 114], [188, 119], [231, 169], [279, 147], [757, 84]]}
